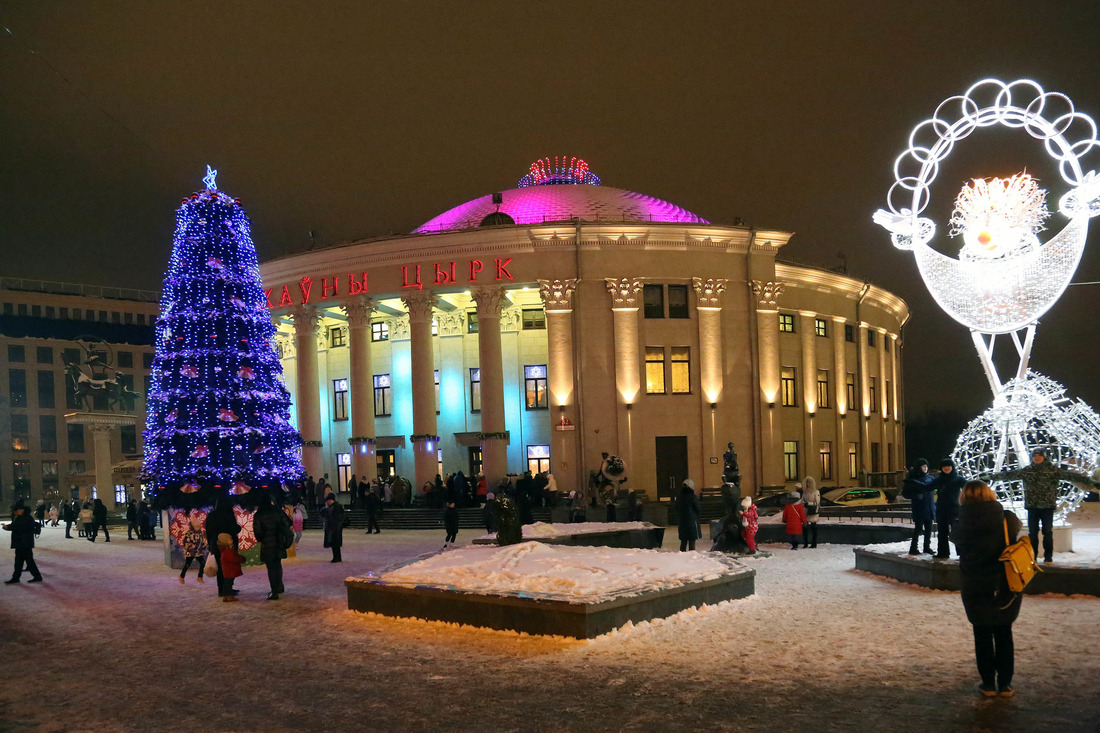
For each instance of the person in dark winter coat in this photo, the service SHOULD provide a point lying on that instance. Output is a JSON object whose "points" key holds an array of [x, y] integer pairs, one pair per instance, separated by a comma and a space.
{"points": [[947, 487], [372, 504], [68, 515], [450, 524], [333, 517], [132, 520], [487, 514], [272, 527], [687, 505], [99, 519], [990, 606], [1041, 480], [219, 521], [918, 489], [23, 529]]}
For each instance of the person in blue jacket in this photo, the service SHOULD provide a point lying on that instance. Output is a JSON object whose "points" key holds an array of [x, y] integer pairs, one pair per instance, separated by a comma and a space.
{"points": [[919, 490], [947, 486]]}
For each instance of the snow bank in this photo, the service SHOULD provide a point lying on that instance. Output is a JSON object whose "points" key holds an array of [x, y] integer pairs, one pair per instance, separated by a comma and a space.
{"points": [[544, 530]]}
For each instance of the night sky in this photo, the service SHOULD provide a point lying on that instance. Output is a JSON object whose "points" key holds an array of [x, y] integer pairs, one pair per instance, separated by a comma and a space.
{"points": [[361, 119]]}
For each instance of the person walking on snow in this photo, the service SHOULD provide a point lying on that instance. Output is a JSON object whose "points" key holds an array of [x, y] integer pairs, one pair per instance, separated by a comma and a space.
{"points": [[918, 489], [99, 518], [794, 517], [23, 529]]}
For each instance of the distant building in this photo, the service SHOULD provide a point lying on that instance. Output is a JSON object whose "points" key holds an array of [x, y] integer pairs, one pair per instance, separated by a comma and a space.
{"points": [[537, 328], [44, 326]]}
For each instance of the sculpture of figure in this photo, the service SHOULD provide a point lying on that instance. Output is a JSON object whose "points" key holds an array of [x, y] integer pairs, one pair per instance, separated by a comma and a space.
{"points": [[731, 473]]}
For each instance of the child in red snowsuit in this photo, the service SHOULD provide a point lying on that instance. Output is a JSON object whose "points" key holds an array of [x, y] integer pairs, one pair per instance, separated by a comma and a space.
{"points": [[749, 523], [231, 565], [794, 516]]}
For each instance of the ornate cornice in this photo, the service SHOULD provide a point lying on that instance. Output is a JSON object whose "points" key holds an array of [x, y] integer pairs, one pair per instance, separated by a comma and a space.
{"points": [[451, 324], [767, 293], [557, 295], [708, 293], [624, 292], [358, 311]]}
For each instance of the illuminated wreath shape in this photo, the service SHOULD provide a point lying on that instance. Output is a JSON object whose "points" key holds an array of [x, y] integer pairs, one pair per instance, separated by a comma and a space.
{"points": [[1005, 293]]}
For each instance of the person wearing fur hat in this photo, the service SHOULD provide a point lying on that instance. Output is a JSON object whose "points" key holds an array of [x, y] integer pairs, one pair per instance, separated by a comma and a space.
{"points": [[918, 489], [687, 505], [947, 487], [333, 517], [794, 518], [23, 528], [811, 501], [749, 523]]}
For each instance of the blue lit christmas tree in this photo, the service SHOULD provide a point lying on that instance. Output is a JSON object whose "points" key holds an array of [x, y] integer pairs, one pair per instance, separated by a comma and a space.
{"points": [[218, 422]]}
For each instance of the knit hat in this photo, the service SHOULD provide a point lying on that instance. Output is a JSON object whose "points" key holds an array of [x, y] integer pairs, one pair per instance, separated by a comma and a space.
{"points": [[224, 540], [793, 496], [921, 462], [330, 497], [689, 483], [746, 502], [947, 462]]}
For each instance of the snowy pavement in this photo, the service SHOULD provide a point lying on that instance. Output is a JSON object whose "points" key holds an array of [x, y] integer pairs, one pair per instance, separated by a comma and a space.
{"points": [[112, 641]]}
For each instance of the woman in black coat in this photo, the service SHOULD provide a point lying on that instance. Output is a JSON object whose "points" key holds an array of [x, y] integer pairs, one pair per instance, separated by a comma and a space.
{"points": [[990, 606], [333, 517], [687, 505]]}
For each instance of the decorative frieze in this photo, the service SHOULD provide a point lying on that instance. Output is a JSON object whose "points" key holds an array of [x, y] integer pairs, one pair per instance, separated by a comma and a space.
{"points": [[708, 293], [557, 295], [511, 319], [451, 324], [399, 328], [624, 292]]}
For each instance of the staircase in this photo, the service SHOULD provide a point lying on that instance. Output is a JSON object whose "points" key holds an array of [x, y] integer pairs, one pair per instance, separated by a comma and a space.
{"points": [[392, 519]]}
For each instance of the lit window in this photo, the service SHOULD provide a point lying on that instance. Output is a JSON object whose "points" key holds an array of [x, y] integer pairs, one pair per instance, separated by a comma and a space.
{"points": [[821, 327], [337, 336], [823, 389], [538, 459], [853, 460], [339, 399], [786, 322], [681, 369], [343, 472], [436, 391], [850, 390], [825, 453], [381, 395], [534, 382], [379, 331], [654, 370], [534, 319], [76, 466], [790, 460], [475, 389], [471, 322], [122, 494], [788, 388], [20, 433]]}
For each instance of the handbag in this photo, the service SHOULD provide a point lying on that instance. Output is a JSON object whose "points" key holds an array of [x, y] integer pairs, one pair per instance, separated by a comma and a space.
{"points": [[1019, 562]]}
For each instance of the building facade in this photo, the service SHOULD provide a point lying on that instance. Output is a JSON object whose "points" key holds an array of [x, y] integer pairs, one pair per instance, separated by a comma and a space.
{"points": [[43, 327], [537, 328]]}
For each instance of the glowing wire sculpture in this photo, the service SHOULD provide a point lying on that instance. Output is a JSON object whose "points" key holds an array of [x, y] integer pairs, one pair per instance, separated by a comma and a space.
{"points": [[1005, 279], [562, 171]]}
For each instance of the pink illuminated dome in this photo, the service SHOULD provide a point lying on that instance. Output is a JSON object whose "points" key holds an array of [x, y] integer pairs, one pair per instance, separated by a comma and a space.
{"points": [[559, 189]]}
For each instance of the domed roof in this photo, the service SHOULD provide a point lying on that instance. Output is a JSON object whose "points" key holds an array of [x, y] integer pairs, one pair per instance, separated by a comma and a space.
{"points": [[561, 192]]}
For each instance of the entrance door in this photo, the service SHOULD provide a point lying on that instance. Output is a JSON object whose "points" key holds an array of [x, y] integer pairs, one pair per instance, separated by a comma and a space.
{"points": [[475, 460], [672, 464], [386, 463]]}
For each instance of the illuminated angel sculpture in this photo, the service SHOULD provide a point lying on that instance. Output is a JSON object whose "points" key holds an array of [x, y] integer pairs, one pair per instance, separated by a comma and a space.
{"points": [[1005, 278]]}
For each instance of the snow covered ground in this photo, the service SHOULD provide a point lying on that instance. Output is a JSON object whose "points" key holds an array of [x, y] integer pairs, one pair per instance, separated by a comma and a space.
{"points": [[544, 530], [111, 641]]}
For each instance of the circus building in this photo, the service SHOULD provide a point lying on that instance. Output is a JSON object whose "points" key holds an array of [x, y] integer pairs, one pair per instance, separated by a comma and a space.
{"points": [[538, 327]]}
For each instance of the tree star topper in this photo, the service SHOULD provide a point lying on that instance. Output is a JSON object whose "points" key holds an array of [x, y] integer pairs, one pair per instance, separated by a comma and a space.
{"points": [[210, 179]]}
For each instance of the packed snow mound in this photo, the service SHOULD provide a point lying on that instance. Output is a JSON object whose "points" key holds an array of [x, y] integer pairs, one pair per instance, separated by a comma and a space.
{"points": [[545, 530], [536, 569]]}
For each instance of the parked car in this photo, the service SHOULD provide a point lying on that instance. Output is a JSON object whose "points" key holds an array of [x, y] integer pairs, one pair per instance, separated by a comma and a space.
{"points": [[854, 497]]}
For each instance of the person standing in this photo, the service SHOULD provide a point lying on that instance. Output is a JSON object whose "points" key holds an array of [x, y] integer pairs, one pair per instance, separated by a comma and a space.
{"points": [[132, 520], [947, 487], [298, 523], [87, 520], [194, 546], [687, 506], [52, 514], [750, 522], [333, 517], [1041, 479], [68, 514], [311, 492], [229, 565], [450, 524], [373, 504], [221, 521], [40, 511], [794, 518], [811, 502], [99, 519], [984, 530], [23, 529], [918, 489], [273, 528]]}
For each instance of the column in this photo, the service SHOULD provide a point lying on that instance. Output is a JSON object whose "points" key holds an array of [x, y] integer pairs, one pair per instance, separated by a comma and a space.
{"points": [[424, 439], [883, 400], [807, 338], [708, 305], [363, 461], [557, 299], [628, 381], [840, 385], [865, 401], [767, 328], [494, 438], [104, 476], [899, 435], [306, 319]]}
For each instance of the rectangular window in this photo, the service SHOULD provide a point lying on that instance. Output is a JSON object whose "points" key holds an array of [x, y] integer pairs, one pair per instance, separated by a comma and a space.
{"points": [[44, 355], [45, 390], [471, 322], [141, 318], [653, 301], [21, 309], [103, 316], [16, 354], [825, 453], [823, 389], [678, 302], [876, 458], [128, 318], [381, 395], [379, 331], [337, 337], [20, 433], [436, 391], [36, 311], [125, 359], [147, 360], [538, 459], [475, 389], [339, 399], [47, 433], [116, 317], [872, 393], [76, 466], [889, 397], [534, 319], [534, 382], [790, 460], [850, 391], [21, 473], [849, 333], [64, 313], [70, 356], [680, 368], [76, 438], [888, 344], [8, 309], [128, 443], [122, 494], [853, 460], [654, 370], [821, 327], [17, 388], [788, 387], [343, 471], [786, 323], [386, 463], [870, 338]]}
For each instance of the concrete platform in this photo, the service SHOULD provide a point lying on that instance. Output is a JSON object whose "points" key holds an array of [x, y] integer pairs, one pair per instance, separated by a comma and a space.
{"points": [[945, 575], [640, 539], [574, 619]]}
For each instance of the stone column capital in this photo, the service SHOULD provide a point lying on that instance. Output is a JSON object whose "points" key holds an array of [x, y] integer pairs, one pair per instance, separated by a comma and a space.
{"points": [[490, 299], [708, 293], [306, 317], [624, 292], [557, 295], [358, 311], [767, 293], [100, 430], [420, 305]]}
